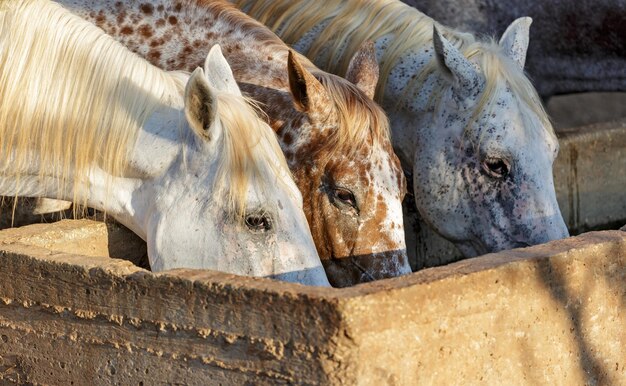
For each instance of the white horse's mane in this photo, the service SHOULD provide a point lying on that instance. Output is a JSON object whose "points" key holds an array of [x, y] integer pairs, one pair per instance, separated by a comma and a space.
{"points": [[351, 22], [75, 98]]}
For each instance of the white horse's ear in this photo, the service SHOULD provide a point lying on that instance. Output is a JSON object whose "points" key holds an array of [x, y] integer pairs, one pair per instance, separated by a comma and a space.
{"points": [[219, 73], [514, 41], [363, 69], [467, 80], [308, 93], [200, 104]]}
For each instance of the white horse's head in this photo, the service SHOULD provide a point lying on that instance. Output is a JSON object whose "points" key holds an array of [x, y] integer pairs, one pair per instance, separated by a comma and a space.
{"points": [[229, 202], [191, 169], [483, 170]]}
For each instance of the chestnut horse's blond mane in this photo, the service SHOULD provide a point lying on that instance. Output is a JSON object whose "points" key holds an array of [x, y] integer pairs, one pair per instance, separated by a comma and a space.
{"points": [[73, 98], [351, 22]]}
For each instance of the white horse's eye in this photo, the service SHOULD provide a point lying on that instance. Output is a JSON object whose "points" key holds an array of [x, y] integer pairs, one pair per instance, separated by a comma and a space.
{"points": [[496, 167], [259, 223]]}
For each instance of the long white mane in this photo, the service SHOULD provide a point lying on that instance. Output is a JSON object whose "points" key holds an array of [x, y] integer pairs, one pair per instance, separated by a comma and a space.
{"points": [[72, 98]]}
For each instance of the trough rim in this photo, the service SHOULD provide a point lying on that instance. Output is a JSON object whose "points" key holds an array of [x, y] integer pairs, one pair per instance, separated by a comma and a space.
{"points": [[205, 277]]}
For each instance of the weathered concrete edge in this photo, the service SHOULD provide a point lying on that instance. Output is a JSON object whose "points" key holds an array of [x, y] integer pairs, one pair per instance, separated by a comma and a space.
{"points": [[418, 305], [219, 315], [555, 251], [286, 331], [586, 131], [590, 176], [207, 280]]}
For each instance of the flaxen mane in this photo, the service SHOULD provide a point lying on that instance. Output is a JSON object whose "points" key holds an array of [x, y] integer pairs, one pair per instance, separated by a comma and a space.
{"points": [[73, 98], [251, 153], [361, 120], [351, 22]]}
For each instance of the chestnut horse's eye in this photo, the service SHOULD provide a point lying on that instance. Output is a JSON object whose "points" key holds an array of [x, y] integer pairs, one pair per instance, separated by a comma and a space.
{"points": [[258, 223], [345, 197], [496, 167]]}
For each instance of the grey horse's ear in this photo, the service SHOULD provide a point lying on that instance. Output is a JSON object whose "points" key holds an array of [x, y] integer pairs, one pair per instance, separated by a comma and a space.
{"points": [[219, 73], [200, 105], [514, 41], [467, 81], [363, 69]]}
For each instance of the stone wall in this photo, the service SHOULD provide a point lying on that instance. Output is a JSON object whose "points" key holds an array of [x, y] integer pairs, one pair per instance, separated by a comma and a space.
{"points": [[575, 46], [549, 314]]}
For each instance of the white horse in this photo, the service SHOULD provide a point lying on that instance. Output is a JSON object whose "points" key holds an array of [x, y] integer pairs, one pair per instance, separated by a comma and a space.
{"points": [[466, 122], [182, 160]]}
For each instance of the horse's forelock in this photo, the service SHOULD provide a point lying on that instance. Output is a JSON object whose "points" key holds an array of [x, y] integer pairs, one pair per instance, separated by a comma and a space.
{"points": [[361, 122], [251, 153], [502, 73]]}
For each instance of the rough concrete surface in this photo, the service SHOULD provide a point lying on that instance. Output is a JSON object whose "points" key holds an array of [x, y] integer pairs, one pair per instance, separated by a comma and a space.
{"points": [[82, 237], [590, 176], [550, 314], [22, 211], [573, 110]]}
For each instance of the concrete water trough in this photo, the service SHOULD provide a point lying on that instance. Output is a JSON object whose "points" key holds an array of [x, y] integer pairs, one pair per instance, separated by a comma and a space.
{"points": [[549, 314]]}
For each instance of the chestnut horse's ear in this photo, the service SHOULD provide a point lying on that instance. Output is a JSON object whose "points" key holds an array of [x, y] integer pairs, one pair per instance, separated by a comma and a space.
{"points": [[308, 93], [200, 105], [514, 41], [363, 69]]}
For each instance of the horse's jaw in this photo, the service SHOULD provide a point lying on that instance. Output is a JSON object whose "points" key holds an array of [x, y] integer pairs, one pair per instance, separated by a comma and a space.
{"points": [[125, 199], [471, 248]]}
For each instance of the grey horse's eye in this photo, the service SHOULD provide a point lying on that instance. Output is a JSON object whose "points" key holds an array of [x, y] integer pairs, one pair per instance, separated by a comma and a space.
{"points": [[259, 222], [496, 167]]}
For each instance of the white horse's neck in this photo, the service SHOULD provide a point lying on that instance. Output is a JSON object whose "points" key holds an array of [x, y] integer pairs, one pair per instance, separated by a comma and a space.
{"points": [[127, 198], [158, 146]]}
